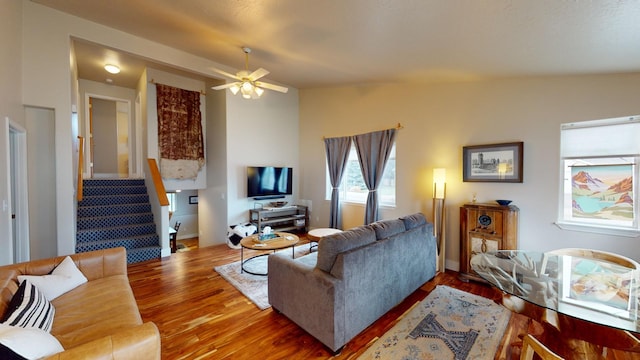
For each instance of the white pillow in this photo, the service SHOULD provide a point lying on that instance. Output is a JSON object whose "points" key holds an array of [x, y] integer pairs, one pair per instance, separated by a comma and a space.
{"points": [[30, 343], [65, 277]]}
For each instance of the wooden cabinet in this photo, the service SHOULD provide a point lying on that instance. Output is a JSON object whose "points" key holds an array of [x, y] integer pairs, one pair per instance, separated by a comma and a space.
{"points": [[483, 228]]}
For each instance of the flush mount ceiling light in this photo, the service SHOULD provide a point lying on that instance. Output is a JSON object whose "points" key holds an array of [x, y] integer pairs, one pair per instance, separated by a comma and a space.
{"points": [[113, 69], [248, 84]]}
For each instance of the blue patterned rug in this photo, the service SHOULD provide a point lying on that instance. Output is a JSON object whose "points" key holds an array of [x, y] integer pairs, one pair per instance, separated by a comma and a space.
{"points": [[447, 324]]}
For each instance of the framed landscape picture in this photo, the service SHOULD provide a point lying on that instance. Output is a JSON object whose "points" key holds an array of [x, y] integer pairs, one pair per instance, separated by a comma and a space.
{"points": [[492, 163]]}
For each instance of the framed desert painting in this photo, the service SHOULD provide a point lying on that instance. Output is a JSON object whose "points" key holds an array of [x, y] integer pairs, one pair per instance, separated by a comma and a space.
{"points": [[493, 163]]}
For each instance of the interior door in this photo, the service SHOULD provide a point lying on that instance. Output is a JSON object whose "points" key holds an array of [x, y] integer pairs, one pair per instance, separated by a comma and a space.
{"points": [[109, 123]]}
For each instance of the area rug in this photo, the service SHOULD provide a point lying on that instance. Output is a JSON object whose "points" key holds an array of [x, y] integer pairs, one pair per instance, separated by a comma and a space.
{"points": [[254, 287], [447, 324]]}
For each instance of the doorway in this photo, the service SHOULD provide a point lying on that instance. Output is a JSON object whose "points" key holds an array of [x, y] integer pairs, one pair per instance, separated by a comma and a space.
{"points": [[41, 167], [108, 126], [19, 195]]}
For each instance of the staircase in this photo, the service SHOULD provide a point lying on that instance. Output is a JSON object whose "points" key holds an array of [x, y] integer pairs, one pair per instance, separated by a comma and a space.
{"points": [[117, 213]]}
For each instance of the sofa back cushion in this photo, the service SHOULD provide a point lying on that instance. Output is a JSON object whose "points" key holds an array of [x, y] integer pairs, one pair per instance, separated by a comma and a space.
{"points": [[330, 246], [413, 221], [387, 228]]}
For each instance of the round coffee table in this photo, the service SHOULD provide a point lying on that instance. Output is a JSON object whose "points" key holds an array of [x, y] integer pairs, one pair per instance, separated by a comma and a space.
{"points": [[282, 240], [316, 235]]}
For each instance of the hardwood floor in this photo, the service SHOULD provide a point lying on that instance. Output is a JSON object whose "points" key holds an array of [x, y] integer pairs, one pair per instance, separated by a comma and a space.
{"points": [[202, 316]]}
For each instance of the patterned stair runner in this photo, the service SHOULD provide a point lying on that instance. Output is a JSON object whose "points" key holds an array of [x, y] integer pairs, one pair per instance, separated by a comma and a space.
{"points": [[116, 212]]}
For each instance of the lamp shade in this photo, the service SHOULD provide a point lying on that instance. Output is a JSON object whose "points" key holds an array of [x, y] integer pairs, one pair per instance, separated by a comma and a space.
{"points": [[439, 181]]}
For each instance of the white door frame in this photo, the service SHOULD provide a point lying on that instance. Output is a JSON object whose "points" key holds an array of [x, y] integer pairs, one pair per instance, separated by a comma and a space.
{"points": [[19, 188], [88, 149]]}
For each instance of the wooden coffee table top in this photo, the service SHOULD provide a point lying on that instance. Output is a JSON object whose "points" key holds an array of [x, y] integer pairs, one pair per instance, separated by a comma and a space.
{"points": [[284, 240]]}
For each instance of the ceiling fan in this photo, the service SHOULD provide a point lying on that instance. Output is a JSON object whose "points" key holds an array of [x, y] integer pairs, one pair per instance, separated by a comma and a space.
{"points": [[248, 84]]}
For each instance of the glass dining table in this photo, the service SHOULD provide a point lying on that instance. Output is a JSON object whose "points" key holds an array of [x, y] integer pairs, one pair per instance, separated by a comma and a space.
{"points": [[588, 291]]}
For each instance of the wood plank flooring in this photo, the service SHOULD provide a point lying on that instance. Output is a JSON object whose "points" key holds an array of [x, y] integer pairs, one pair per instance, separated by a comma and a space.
{"points": [[202, 316]]}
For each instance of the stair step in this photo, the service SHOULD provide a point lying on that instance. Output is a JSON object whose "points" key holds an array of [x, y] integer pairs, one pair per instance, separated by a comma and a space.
{"points": [[143, 254], [118, 209], [97, 200], [97, 222], [113, 190], [114, 213], [129, 243], [115, 232], [112, 182]]}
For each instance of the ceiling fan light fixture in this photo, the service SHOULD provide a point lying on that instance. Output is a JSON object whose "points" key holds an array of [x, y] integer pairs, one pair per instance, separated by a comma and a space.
{"points": [[248, 83], [246, 93], [247, 86], [113, 69]]}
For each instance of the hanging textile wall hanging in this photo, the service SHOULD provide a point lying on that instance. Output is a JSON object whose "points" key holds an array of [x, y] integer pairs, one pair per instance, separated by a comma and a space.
{"points": [[180, 139]]}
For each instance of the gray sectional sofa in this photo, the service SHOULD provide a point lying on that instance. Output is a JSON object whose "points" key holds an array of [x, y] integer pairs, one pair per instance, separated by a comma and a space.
{"points": [[354, 278]]}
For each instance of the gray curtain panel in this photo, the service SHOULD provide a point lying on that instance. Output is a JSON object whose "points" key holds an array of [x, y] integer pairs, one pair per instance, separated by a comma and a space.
{"points": [[337, 150], [373, 152]]}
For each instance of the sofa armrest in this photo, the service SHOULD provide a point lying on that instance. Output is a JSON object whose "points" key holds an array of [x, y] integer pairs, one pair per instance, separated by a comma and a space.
{"points": [[307, 296], [140, 342]]}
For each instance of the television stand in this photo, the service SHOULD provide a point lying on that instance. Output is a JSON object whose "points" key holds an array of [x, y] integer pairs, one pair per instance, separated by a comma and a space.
{"points": [[287, 218]]}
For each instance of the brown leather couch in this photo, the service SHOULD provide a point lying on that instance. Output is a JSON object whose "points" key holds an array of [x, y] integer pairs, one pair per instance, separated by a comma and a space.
{"points": [[97, 320]]}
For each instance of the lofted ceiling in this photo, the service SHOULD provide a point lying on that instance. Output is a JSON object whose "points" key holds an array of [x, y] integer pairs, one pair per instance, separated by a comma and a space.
{"points": [[305, 43]]}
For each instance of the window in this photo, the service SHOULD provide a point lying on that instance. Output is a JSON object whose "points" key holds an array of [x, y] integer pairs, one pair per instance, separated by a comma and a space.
{"points": [[599, 176], [353, 188]]}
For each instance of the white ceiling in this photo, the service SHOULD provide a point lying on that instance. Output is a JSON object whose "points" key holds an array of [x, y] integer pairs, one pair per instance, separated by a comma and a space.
{"points": [[307, 43]]}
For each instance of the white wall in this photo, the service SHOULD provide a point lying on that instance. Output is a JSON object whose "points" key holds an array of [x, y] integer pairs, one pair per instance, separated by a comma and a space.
{"points": [[260, 133], [47, 83], [10, 107], [439, 119]]}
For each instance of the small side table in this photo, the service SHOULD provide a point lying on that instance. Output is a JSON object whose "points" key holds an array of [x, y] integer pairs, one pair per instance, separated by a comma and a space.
{"points": [[316, 235]]}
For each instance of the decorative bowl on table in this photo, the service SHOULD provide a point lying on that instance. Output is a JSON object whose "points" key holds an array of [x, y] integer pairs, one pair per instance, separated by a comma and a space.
{"points": [[503, 202]]}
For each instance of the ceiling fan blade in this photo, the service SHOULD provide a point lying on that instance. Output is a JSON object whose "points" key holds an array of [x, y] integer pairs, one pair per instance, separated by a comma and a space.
{"points": [[225, 86], [229, 75], [258, 74], [265, 85]]}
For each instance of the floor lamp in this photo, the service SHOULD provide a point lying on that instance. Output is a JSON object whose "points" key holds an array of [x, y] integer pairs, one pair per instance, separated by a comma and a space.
{"points": [[439, 195]]}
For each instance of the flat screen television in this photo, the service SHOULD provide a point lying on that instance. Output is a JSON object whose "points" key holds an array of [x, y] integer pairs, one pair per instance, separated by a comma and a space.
{"points": [[269, 181]]}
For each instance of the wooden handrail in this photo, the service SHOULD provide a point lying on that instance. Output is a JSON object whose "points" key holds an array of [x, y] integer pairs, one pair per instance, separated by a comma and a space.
{"points": [[80, 166], [157, 182]]}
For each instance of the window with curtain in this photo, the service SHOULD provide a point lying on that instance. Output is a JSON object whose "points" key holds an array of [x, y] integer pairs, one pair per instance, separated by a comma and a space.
{"points": [[599, 176], [353, 188]]}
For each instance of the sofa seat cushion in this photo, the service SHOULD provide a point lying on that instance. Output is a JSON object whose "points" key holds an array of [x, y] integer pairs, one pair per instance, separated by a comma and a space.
{"points": [[95, 309], [310, 259], [332, 245]]}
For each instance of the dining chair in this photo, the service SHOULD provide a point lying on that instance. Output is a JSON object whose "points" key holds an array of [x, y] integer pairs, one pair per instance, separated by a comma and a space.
{"points": [[624, 339], [173, 237], [598, 255], [531, 345]]}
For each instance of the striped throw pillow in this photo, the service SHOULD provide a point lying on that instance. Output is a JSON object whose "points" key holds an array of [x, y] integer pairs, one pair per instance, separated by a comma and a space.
{"points": [[30, 309]]}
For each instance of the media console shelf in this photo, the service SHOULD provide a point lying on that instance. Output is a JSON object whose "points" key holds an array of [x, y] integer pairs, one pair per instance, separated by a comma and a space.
{"points": [[286, 218]]}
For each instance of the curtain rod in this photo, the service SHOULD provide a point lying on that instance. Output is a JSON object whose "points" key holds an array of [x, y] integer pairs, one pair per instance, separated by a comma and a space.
{"points": [[152, 81], [397, 127]]}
